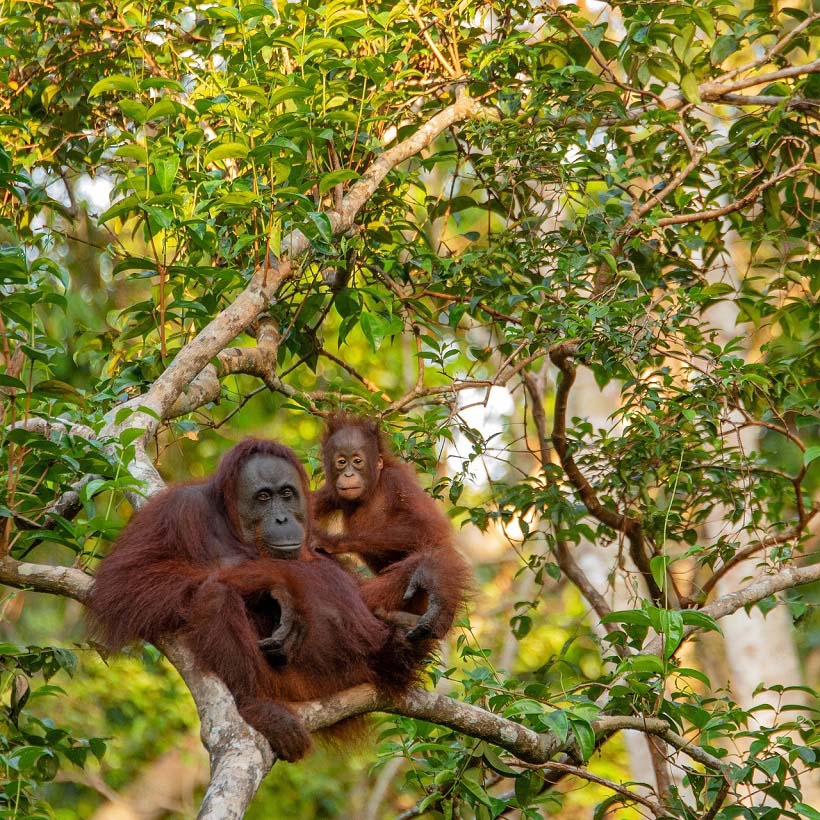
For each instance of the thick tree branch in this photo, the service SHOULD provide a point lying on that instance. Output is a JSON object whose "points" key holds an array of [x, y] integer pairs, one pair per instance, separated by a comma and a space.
{"points": [[257, 361], [360, 192], [51, 427], [240, 758], [184, 370], [65, 581]]}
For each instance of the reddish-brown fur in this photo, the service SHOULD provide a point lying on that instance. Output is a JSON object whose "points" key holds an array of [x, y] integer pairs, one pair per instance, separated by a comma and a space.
{"points": [[397, 529], [181, 567]]}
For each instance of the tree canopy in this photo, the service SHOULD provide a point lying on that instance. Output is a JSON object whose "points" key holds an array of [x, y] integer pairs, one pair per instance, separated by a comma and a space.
{"points": [[566, 253]]}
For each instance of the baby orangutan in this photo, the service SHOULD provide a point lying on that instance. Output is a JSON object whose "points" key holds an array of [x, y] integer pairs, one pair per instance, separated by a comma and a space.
{"points": [[391, 524]]}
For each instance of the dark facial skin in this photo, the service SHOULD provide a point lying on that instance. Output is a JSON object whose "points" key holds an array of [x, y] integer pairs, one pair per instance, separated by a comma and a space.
{"points": [[271, 505], [355, 463]]}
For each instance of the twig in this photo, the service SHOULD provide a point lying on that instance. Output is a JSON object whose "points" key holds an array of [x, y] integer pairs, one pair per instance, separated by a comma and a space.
{"points": [[371, 386], [562, 357], [751, 549], [716, 213], [720, 797], [761, 587], [577, 771]]}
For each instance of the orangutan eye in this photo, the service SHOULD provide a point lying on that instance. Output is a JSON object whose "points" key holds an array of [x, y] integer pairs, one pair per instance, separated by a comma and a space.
{"points": [[286, 492], [357, 462], [340, 462], [264, 495]]}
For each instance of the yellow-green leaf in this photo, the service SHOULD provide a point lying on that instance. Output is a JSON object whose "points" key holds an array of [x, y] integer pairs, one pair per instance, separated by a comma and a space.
{"points": [[226, 150], [689, 87]]}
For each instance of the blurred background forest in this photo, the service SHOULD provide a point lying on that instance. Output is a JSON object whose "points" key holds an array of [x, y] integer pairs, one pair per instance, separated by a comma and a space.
{"points": [[612, 210]]}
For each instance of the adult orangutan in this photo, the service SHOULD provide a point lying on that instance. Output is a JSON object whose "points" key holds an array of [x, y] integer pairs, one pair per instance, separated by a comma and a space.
{"points": [[224, 563], [391, 524]]}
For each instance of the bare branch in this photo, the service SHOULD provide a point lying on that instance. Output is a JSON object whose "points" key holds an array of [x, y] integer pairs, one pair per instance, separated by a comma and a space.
{"points": [[724, 210], [717, 88], [50, 427], [775, 49], [760, 588], [463, 108], [796, 103], [562, 357], [563, 556], [764, 543], [65, 581], [577, 771]]}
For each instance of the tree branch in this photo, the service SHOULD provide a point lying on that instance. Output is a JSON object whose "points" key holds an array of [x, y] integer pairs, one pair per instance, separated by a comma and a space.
{"points": [[65, 581], [760, 588], [267, 279], [577, 771], [562, 357], [715, 89], [751, 549], [724, 210], [240, 757], [561, 551]]}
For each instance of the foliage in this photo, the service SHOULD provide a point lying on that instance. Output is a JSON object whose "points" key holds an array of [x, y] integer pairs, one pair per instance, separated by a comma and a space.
{"points": [[636, 200], [33, 748]]}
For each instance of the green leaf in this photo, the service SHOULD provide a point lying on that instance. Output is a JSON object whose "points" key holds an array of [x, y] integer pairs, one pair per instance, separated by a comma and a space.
{"points": [[558, 723], [376, 328], [475, 790], [334, 178], [60, 390], [11, 381], [657, 566], [133, 151], [585, 736], [165, 169], [116, 82], [646, 664], [25, 757], [687, 672], [692, 617], [289, 92], [134, 110], [524, 706], [165, 107], [689, 87], [97, 746], [123, 207], [811, 454], [129, 436], [322, 223], [723, 47], [253, 92], [672, 628], [324, 44], [525, 788], [494, 761], [627, 616], [226, 150]]}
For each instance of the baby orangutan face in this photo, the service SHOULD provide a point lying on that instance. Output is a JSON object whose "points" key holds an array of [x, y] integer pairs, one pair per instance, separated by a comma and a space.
{"points": [[355, 463]]}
